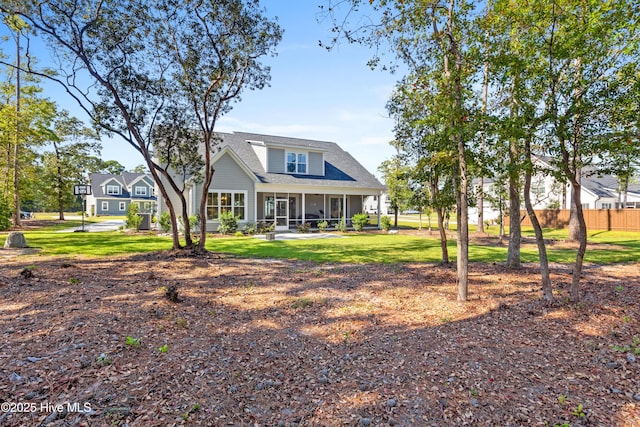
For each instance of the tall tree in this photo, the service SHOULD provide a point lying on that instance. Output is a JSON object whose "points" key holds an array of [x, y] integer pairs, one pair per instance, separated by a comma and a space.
{"points": [[22, 133], [395, 174], [585, 44], [427, 36], [206, 84], [143, 58], [423, 140], [71, 149]]}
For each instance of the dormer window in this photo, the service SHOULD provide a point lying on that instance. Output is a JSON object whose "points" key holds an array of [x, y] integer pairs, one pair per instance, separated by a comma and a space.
{"points": [[113, 190], [141, 191], [296, 162]]}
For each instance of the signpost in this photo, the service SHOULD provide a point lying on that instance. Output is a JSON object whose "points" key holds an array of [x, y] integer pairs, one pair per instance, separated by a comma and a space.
{"points": [[82, 190]]}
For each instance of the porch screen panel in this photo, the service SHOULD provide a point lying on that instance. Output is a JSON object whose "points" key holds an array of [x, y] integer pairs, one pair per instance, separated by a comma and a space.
{"points": [[336, 207]]}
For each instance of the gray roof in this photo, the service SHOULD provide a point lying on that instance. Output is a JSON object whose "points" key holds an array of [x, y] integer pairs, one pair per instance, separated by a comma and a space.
{"points": [[341, 169], [125, 179], [604, 185]]}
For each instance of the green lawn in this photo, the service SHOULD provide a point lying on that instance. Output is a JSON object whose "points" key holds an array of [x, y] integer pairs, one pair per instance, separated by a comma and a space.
{"points": [[353, 248]]}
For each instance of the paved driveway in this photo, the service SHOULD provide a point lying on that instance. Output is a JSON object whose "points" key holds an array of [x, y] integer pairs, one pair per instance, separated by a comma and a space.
{"points": [[98, 226]]}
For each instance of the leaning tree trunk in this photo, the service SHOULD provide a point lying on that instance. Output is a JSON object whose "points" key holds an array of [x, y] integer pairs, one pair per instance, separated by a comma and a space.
{"points": [[547, 291]]}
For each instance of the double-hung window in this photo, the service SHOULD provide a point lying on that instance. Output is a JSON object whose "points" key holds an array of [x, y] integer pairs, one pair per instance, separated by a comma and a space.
{"points": [[113, 190], [296, 162], [221, 202], [140, 191]]}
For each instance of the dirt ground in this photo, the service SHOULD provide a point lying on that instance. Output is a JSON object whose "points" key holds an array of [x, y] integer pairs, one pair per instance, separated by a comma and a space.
{"points": [[160, 340]]}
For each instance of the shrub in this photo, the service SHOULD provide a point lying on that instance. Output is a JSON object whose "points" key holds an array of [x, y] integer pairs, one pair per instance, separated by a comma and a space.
{"points": [[249, 228], [194, 222], [133, 219], [228, 223], [342, 225], [265, 227], [165, 222], [5, 214], [359, 220], [322, 226], [304, 227], [385, 221]]}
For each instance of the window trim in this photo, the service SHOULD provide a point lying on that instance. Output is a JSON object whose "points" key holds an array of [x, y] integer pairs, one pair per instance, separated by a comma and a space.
{"points": [[103, 204], [140, 190], [297, 163], [232, 204], [118, 190], [122, 206]]}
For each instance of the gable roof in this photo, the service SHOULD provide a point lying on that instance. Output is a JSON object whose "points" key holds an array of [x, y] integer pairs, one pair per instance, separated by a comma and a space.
{"points": [[99, 181], [341, 169]]}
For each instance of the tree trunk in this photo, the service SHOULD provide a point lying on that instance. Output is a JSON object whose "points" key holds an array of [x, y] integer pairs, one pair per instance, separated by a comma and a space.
{"points": [[574, 290], [16, 148], [483, 136], [547, 290], [443, 237], [515, 231], [395, 217], [203, 210], [59, 183], [574, 222], [480, 203], [175, 233]]}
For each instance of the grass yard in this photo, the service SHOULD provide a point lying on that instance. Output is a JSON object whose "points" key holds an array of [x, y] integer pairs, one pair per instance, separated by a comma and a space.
{"points": [[407, 246]]}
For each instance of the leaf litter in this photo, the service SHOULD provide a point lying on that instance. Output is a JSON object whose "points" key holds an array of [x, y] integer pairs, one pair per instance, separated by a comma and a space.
{"points": [[229, 341]]}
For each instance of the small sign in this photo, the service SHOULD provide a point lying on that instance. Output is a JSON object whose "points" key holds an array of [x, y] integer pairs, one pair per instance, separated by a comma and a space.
{"points": [[81, 190]]}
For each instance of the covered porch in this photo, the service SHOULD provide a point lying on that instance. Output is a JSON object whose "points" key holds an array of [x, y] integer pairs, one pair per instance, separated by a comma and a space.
{"points": [[289, 210]]}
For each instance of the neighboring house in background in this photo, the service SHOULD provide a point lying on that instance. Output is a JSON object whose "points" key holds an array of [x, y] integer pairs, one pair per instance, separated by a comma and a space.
{"points": [[281, 180], [112, 194], [377, 204], [598, 192], [602, 192]]}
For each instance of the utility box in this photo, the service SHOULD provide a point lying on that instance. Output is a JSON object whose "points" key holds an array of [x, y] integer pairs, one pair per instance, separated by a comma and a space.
{"points": [[146, 221]]}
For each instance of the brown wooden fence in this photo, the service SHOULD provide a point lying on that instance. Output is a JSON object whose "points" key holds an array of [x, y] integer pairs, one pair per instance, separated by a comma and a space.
{"points": [[596, 219]]}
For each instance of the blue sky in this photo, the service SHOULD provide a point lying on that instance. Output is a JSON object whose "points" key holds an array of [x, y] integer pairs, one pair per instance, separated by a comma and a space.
{"points": [[314, 94]]}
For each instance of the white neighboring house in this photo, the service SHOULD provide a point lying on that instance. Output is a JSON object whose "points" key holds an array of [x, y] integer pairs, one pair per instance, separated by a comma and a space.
{"points": [[598, 192], [371, 204]]}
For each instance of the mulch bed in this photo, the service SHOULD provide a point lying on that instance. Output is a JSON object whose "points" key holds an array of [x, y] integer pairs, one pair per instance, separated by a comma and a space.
{"points": [[160, 339]]}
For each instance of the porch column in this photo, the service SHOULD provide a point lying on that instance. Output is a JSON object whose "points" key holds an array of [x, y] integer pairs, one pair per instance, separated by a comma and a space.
{"points": [[379, 206], [304, 214], [324, 206], [344, 208]]}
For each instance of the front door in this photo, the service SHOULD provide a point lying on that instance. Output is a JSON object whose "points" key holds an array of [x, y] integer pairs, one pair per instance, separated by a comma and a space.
{"points": [[282, 214]]}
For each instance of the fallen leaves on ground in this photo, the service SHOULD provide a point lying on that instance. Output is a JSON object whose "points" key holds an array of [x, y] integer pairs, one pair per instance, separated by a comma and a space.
{"points": [[160, 339]]}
